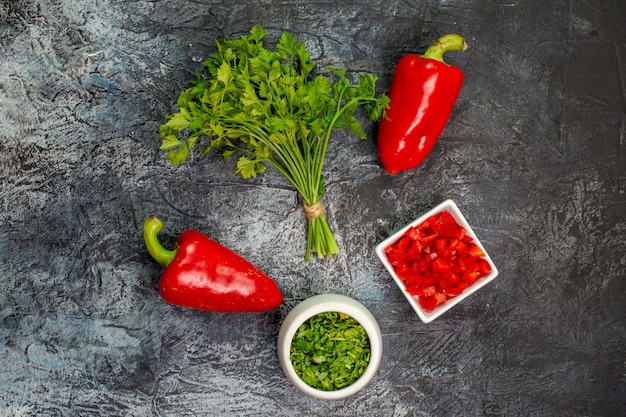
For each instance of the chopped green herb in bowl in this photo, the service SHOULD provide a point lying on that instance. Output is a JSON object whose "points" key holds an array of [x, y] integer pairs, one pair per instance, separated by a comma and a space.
{"points": [[330, 351], [330, 346]]}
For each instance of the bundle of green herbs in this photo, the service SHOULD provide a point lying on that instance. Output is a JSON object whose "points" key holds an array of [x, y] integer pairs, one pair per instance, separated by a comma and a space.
{"points": [[271, 109], [330, 351]]}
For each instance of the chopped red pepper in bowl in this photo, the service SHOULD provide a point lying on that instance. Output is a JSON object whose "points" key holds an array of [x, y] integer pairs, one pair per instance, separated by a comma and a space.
{"points": [[437, 261]]}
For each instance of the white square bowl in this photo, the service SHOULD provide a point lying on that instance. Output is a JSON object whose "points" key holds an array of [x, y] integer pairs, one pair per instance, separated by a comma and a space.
{"points": [[428, 316]]}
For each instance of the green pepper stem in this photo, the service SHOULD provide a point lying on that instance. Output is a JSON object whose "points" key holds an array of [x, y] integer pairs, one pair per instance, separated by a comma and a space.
{"points": [[449, 42], [151, 228]]}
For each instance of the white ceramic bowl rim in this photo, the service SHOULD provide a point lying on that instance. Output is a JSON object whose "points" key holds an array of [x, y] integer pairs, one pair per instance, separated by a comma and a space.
{"points": [[320, 304]]}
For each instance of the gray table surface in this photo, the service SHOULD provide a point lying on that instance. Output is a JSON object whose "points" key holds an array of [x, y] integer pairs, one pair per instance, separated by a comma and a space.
{"points": [[534, 155]]}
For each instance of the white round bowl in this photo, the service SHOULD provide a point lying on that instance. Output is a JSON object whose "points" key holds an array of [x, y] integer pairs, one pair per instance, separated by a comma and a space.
{"points": [[320, 304]]}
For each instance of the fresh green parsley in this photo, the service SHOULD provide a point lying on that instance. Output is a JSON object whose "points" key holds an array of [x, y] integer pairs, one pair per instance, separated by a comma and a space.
{"points": [[330, 351], [271, 109]]}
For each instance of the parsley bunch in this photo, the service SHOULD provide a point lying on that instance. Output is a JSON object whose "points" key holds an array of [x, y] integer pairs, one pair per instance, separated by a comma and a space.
{"points": [[270, 108]]}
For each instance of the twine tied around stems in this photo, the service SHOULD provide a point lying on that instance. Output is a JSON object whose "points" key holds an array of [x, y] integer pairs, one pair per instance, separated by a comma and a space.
{"points": [[314, 210]]}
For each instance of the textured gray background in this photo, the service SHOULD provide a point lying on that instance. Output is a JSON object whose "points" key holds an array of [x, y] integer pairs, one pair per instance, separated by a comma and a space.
{"points": [[534, 155]]}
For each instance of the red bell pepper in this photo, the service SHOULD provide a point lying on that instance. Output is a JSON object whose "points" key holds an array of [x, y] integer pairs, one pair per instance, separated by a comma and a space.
{"points": [[202, 274], [422, 94]]}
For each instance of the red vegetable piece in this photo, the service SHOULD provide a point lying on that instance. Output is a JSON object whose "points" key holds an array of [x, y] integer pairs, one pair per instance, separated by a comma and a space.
{"points": [[403, 244], [483, 267], [442, 247], [440, 297], [475, 251], [428, 303], [470, 277], [435, 224], [451, 280], [414, 233], [466, 264], [447, 218], [453, 291], [425, 240], [461, 247], [415, 289], [420, 266], [440, 265], [414, 252]]}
